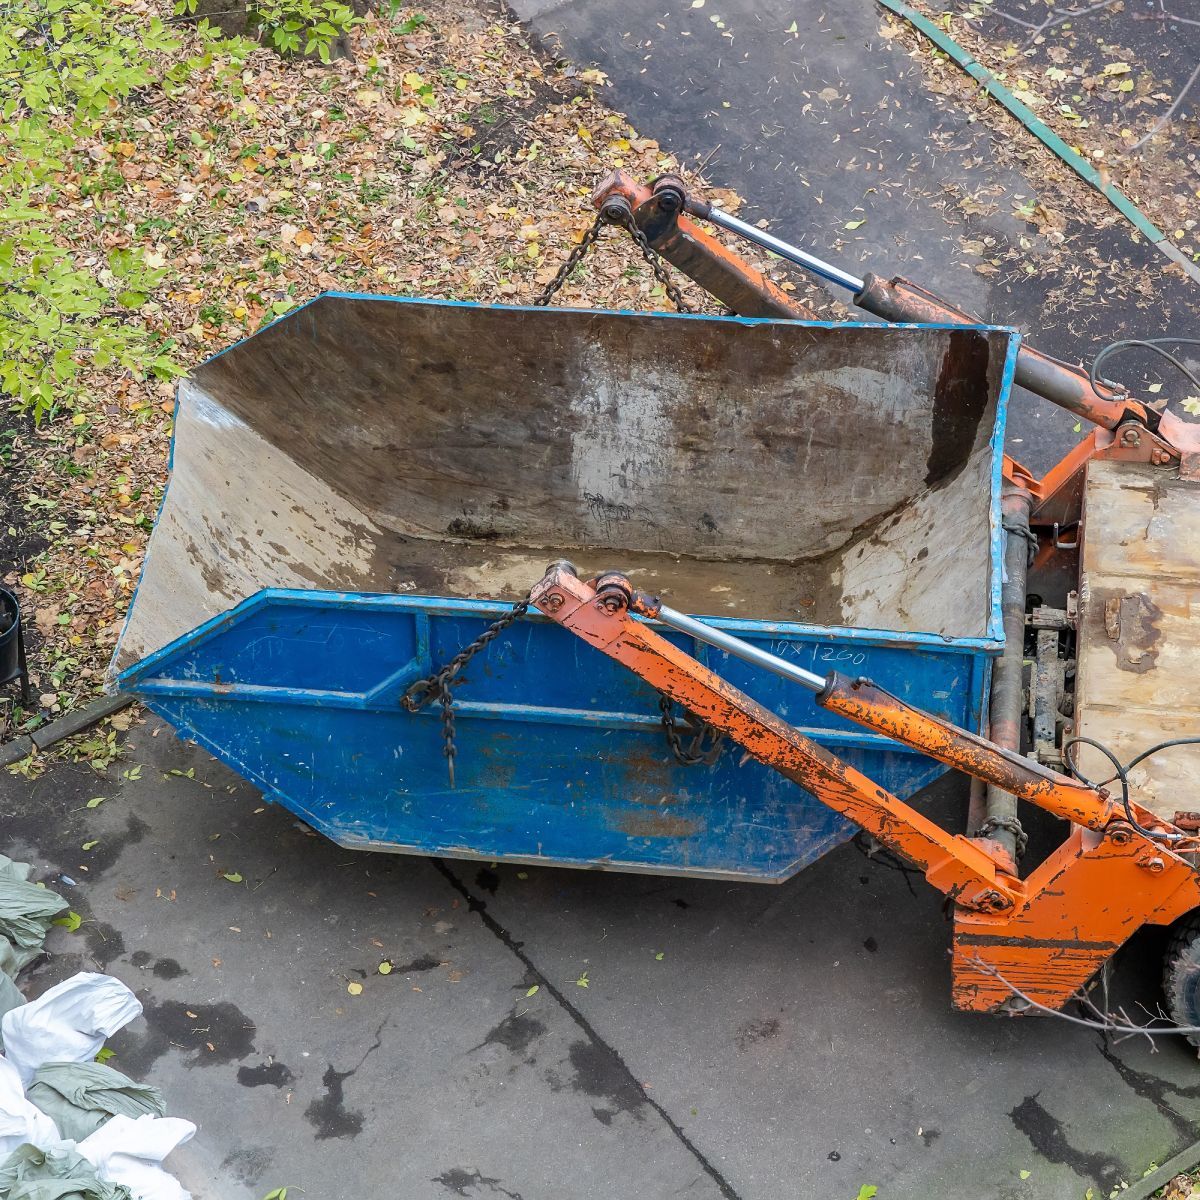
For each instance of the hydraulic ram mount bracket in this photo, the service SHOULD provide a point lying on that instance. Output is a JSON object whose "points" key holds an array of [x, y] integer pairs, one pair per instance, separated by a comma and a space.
{"points": [[1043, 936]]}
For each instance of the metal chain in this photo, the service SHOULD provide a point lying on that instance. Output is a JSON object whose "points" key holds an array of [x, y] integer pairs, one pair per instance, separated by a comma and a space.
{"points": [[579, 253], [695, 751], [438, 685], [656, 265], [1012, 825], [1031, 538]]}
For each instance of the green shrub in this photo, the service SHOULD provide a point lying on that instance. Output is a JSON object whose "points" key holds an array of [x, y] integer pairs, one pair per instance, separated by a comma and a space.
{"points": [[67, 68], [293, 26]]}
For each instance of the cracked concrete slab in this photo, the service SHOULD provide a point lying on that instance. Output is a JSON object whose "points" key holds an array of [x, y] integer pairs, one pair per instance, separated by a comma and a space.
{"points": [[444, 1076]]}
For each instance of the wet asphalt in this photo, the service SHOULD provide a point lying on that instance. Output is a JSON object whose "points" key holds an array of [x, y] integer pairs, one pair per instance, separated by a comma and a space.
{"points": [[546, 1034]]}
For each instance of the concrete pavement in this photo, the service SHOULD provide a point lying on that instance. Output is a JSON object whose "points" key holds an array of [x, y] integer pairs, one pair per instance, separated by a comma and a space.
{"points": [[790, 1041]]}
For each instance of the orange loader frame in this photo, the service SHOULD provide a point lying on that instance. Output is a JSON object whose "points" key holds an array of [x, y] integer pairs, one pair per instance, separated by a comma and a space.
{"points": [[1044, 936], [1017, 943]]}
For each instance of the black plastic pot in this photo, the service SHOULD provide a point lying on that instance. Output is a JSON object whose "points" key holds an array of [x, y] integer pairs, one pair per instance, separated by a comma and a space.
{"points": [[12, 644]]}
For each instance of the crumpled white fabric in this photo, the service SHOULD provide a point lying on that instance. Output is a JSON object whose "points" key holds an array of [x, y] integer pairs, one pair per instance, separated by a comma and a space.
{"points": [[128, 1151], [20, 1121], [68, 1023]]}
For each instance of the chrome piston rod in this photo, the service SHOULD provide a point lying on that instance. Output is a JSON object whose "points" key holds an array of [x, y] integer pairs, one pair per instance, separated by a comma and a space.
{"points": [[810, 262], [739, 649]]}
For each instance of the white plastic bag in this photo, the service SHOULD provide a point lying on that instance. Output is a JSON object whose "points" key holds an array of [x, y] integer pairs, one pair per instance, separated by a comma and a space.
{"points": [[68, 1023], [128, 1151], [21, 1121]]}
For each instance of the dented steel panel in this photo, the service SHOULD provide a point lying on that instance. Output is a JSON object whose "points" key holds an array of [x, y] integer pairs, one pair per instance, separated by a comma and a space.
{"points": [[1139, 627], [416, 464]]}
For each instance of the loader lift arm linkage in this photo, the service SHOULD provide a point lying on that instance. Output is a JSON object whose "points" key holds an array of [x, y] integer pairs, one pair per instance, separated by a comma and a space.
{"points": [[1125, 427], [1045, 935]]}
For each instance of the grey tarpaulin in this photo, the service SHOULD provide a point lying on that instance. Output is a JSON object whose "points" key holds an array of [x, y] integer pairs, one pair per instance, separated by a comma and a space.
{"points": [[10, 996], [61, 1174], [26, 912], [82, 1096]]}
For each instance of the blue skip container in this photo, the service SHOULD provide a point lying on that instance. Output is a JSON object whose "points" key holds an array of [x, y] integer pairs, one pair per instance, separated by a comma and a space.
{"points": [[358, 490]]}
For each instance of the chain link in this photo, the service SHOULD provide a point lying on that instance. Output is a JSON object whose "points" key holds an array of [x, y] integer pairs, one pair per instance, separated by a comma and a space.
{"points": [[695, 751], [438, 685], [1011, 825], [579, 253], [656, 265]]}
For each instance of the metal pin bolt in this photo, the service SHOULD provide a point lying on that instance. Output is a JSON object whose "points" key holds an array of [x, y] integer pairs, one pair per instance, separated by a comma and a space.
{"points": [[552, 602], [1154, 865], [1119, 837], [1131, 437]]}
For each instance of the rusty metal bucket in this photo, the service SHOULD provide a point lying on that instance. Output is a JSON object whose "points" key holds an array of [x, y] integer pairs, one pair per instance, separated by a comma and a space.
{"points": [[391, 471]]}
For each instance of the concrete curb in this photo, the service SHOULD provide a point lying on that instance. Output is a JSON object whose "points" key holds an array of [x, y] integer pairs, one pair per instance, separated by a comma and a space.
{"points": [[1185, 1160], [66, 726], [1045, 135]]}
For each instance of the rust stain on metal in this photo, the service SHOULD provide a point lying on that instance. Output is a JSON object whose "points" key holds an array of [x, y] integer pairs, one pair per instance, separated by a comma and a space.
{"points": [[960, 399], [657, 825], [1131, 622]]}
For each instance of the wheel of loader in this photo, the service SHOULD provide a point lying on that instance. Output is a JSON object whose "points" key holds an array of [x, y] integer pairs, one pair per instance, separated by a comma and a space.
{"points": [[1181, 973]]}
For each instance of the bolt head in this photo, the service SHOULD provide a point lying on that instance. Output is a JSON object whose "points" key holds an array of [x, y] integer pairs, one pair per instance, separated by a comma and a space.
{"points": [[1131, 437], [1119, 837], [552, 602], [1155, 865]]}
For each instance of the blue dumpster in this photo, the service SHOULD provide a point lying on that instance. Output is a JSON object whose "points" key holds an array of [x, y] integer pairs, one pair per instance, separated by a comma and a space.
{"points": [[358, 490]]}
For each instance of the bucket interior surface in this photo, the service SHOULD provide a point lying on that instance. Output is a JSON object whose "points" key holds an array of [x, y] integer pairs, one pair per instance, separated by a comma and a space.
{"points": [[777, 471]]}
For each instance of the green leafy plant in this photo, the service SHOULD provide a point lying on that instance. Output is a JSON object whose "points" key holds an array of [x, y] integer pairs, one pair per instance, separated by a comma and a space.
{"points": [[295, 26], [411, 23], [63, 67]]}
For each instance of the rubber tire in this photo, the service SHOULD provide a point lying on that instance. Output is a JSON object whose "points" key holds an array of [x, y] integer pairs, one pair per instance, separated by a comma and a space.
{"points": [[1181, 974]]}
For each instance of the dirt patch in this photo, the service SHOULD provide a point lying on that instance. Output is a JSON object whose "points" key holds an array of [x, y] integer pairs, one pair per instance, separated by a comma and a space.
{"points": [[21, 535], [496, 129]]}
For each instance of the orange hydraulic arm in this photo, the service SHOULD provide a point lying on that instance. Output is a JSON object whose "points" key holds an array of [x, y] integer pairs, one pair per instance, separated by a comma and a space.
{"points": [[1045, 935], [1127, 427]]}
